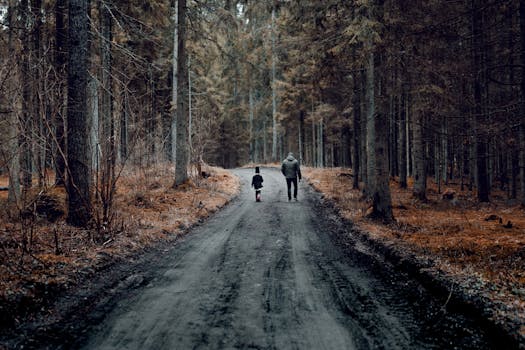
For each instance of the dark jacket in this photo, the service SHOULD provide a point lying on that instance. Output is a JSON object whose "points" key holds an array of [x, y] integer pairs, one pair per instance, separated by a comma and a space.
{"points": [[257, 181], [290, 168]]}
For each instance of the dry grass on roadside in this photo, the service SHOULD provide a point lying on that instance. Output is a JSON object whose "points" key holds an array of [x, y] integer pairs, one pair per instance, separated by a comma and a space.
{"points": [[36, 254], [455, 231], [481, 255]]}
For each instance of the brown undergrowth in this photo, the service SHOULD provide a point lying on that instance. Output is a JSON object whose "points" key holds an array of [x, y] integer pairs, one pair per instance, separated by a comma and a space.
{"points": [[38, 257], [466, 239]]}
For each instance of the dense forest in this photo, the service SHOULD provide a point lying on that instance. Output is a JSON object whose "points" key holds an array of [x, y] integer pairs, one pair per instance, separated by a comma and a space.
{"points": [[430, 90]]}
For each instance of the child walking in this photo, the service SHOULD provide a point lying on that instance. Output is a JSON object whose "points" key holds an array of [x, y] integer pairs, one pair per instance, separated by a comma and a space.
{"points": [[257, 181]]}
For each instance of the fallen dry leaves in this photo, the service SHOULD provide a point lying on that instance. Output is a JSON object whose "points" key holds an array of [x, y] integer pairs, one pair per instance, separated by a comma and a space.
{"points": [[38, 256]]}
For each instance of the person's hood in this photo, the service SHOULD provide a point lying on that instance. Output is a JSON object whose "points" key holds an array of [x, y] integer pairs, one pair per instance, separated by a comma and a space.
{"points": [[290, 158]]}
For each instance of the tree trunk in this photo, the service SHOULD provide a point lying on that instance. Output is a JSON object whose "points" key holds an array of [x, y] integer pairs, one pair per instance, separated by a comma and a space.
{"points": [[402, 153], [94, 125], [481, 142], [181, 165], [370, 127], [190, 121], [78, 157], [346, 143], [356, 115], [107, 135], [521, 154], [381, 198], [265, 142], [446, 160], [420, 164], [124, 122], [150, 122], [301, 136], [382, 201], [13, 148], [26, 159], [251, 115], [39, 143], [314, 143], [174, 81], [393, 121], [60, 66], [274, 97], [320, 145], [363, 136]]}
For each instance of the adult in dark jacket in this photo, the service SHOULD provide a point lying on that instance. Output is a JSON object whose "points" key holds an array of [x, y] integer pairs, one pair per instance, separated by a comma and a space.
{"points": [[291, 171]]}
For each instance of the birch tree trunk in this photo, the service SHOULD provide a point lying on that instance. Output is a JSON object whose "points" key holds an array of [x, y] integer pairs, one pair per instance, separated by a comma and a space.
{"points": [[181, 164], [78, 157]]}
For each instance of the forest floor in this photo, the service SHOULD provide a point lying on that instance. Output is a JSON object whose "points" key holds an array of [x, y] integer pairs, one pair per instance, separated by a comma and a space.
{"points": [[39, 258], [478, 248]]}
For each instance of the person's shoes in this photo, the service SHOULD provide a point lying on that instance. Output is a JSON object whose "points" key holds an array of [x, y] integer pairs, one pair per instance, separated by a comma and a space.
{"points": [[295, 199], [289, 199]]}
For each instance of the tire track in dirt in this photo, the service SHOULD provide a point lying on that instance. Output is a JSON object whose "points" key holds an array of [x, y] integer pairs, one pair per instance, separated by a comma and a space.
{"points": [[279, 275]]}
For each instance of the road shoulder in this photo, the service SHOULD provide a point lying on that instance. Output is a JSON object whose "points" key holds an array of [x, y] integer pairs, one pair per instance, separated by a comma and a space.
{"points": [[463, 291]]}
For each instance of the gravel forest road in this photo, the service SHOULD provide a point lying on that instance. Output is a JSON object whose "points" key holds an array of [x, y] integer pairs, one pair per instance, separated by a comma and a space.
{"points": [[280, 275]]}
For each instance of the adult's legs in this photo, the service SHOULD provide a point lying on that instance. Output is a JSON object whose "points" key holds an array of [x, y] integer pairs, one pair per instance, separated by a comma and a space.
{"points": [[289, 186], [294, 180]]}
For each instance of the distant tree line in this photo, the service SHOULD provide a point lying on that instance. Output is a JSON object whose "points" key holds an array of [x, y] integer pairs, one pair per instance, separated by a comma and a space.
{"points": [[398, 89], [389, 88], [407, 89]]}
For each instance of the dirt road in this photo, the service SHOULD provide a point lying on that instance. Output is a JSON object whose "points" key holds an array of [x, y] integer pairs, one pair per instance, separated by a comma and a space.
{"points": [[275, 275]]}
